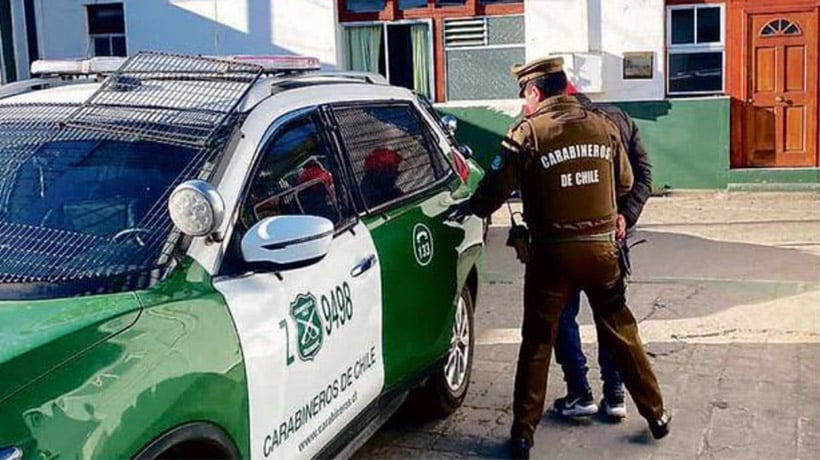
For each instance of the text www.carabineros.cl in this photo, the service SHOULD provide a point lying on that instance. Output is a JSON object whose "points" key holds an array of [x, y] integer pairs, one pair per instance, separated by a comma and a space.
{"points": [[332, 395], [327, 422]]}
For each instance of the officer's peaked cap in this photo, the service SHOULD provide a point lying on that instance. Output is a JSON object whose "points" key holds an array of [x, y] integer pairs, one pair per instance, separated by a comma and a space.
{"points": [[534, 69]]}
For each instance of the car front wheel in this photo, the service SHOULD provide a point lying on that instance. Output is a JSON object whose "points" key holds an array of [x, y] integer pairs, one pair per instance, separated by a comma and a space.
{"points": [[446, 389]]}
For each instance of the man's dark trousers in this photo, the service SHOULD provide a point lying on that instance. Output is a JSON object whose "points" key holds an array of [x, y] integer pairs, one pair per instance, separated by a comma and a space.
{"points": [[570, 356]]}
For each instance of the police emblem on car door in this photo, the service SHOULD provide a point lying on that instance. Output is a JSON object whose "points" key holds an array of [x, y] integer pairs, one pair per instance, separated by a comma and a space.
{"points": [[310, 328]]}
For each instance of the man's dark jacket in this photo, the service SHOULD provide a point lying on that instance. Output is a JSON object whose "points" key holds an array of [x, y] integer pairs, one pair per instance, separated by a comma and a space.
{"points": [[631, 204]]}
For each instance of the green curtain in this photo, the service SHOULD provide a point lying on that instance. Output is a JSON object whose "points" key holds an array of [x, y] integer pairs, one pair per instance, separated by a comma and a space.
{"points": [[421, 59], [364, 48]]}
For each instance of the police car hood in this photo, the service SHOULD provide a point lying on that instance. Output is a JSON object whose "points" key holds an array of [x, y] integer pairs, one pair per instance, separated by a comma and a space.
{"points": [[38, 335]]}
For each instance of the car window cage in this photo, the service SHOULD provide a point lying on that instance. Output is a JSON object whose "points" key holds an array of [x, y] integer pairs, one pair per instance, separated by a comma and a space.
{"points": [[368, 130], [42, 254], [168, 98]]}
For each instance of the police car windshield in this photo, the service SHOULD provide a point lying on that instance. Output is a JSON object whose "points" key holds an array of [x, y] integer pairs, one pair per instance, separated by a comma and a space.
{"points": [[85, 209]]}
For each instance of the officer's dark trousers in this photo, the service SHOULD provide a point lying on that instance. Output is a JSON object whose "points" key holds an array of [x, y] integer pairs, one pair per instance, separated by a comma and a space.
{"points": [[551, 274]]}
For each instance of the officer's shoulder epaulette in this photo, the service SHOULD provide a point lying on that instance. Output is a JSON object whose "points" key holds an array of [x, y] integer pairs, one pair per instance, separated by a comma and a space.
{"points": [[516, 137]]}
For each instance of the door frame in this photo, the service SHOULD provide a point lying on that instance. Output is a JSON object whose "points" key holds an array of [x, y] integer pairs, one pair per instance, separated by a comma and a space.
{"points": [[737, 24]]}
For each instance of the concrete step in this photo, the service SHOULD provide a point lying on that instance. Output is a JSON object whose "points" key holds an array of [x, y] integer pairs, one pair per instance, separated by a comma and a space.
{"points": [[773, 187]]}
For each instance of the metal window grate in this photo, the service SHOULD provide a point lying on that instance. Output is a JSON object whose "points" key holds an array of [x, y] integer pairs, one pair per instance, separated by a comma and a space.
{"points": [[24, 128], [388, 150], [460, 33], [167, 98], [35, 148], [157, 111]]}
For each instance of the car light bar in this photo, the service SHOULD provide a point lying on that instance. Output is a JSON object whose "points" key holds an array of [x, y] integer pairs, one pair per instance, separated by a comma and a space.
{"points": [[96, 65], [280, 63]]}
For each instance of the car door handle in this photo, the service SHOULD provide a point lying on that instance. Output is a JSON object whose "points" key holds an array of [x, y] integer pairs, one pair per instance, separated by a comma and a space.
{"points": [[459, 212], [364, 265]]}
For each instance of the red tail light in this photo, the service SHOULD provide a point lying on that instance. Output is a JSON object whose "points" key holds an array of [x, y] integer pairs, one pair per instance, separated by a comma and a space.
{"points": [[462, 168]]}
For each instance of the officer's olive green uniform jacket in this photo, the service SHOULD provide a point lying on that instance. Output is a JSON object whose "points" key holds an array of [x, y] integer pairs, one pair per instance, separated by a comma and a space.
{"points": [[570, 166]]}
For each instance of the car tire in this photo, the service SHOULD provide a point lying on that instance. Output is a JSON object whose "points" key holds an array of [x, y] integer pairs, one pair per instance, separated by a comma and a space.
{"points": [[445, 390]]}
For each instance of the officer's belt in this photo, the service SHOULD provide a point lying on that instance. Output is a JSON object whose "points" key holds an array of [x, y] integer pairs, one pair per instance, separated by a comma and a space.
{"points": [[608, 237]]}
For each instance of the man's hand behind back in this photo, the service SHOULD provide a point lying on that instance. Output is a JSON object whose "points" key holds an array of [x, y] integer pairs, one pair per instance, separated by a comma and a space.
{"points": [[620, 227]]}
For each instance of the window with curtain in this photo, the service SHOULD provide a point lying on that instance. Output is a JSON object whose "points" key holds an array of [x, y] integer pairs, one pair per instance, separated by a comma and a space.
{"points": [[421, 58], [401, 52], [364, 45]]}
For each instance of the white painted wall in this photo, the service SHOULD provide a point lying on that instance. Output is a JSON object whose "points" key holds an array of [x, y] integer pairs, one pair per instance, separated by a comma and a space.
{"points": [[214, 27], [62, 28], [632, 25], [599, 27], [555, 26]]}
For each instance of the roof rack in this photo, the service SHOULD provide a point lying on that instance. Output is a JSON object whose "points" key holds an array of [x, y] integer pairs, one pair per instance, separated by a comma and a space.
{"points": [[278, 64], [286, 83], [365, 77], [168, 97]]}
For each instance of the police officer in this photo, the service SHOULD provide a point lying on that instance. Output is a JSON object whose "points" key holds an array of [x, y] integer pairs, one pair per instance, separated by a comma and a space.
{"points": [[570, 166]]}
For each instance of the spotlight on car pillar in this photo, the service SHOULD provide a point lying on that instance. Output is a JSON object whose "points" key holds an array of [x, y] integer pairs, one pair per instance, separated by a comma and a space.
{"points": [[196, 208]]}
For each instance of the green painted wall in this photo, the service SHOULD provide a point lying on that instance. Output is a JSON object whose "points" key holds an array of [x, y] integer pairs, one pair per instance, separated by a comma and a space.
{"points": [[687, 139]]}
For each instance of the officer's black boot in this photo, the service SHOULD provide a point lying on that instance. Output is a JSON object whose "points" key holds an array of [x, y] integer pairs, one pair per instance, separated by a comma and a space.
{"points": [[660, 427], [519, 447]]}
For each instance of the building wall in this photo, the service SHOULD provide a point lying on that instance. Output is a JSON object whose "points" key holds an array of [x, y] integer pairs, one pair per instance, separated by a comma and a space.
{"points": [[687, 139], [62, 28], [199, 26], [605, 28]]}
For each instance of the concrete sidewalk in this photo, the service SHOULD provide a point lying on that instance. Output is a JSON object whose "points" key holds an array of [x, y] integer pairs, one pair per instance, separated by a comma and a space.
{"points": [[780, 219]]}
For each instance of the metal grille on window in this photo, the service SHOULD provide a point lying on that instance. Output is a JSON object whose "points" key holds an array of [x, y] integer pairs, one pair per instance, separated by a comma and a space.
{"points": [[478, 55], [459, 33], [83, 191], [389, 151]]}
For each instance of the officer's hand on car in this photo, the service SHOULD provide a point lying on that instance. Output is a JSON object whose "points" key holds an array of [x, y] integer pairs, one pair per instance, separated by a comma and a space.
{"points": [[518, 238]]}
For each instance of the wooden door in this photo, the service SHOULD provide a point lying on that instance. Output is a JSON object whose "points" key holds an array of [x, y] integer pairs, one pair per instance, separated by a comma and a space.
{"points": [[781, 115]]}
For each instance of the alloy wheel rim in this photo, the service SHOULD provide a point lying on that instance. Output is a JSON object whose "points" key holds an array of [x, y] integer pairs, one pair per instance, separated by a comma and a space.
{"points": [[455, 371]]}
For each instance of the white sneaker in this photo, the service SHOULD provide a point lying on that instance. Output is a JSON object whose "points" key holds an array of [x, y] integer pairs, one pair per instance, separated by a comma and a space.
{"points": [[576, 405], [615, 406]]}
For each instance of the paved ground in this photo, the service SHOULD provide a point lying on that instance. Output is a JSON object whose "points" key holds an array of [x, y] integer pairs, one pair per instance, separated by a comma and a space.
{"points": [[727, 290]]}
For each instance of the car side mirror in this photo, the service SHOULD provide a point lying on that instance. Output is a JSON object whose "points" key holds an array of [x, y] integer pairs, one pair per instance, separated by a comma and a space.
{"points": [[451, 123], [288, 240]]}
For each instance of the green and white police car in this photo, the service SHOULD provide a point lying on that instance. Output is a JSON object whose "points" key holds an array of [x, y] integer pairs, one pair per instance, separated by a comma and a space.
{"points": [[226, 258]]}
